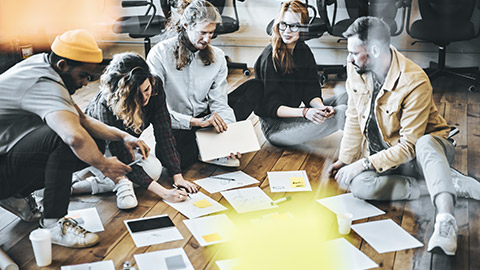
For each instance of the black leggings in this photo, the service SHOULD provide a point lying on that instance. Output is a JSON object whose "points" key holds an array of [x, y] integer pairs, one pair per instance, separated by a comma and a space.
{"points": [[242, 100], [40, 160]]}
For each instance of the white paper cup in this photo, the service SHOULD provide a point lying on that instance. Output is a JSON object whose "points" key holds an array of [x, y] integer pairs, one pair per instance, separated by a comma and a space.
{"points": [[344, 221], [42, 246]]}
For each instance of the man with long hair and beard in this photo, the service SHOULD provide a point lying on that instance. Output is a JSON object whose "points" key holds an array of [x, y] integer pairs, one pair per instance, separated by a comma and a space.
{"points": [[194, 76]]}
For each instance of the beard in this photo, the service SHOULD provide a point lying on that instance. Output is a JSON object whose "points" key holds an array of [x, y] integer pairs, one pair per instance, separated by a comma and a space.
{"points": [[361, 69], [69, 82]]}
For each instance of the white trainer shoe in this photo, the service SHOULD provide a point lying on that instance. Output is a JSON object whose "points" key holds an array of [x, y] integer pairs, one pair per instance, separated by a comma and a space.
{"points": [[465, 186], [66, 232], [226, 162], [126, 198], [93, 185], [444, 237]]}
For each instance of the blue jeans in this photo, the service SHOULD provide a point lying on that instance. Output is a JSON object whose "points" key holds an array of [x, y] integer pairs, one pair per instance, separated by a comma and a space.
{"points": [[292, 131], [432, 163]]}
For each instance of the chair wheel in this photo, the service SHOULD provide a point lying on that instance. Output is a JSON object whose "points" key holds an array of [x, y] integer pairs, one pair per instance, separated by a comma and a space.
{"points": [[472, 88], [247, 72]]}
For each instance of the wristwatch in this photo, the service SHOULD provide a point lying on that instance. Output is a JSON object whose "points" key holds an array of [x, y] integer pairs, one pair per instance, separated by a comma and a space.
{"points": [[366, 164]]}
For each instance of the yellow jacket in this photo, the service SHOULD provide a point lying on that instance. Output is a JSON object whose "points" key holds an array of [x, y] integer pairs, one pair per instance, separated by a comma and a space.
{"points": [[404, 109]]}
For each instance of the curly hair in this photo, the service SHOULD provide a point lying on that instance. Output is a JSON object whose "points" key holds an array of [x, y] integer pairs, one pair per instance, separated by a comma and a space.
{"points": [[120, 83], [192, 13], [282, 57]]}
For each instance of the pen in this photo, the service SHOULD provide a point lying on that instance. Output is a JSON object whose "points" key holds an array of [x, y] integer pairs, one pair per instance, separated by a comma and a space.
{"points": [[135, 162], [288, 198], [223, 178], [177, 187]]}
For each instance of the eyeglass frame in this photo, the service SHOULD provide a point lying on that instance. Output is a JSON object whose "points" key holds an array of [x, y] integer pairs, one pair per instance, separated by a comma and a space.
{"points": [[294, 27]]}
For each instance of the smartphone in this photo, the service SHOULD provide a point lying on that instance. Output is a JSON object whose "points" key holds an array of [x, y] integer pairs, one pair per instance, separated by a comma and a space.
{"points": [[150, 224]]}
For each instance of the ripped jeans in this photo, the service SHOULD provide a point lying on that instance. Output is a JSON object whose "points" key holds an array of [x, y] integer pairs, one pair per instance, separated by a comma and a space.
{"points": [[432, 163]]}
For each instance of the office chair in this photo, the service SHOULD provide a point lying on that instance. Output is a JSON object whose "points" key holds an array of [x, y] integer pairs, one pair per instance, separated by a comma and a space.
{"points": [[316, 25], [384, 9], [441, 23], [142, 26], [229, 25]]}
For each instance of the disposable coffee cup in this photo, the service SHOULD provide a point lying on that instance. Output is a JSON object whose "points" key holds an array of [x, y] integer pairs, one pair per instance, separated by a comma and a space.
{"points": [[6, 263], [344, 221], [42, 246]]}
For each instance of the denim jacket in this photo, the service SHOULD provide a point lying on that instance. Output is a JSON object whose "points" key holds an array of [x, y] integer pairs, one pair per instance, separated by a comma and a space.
{"points": [[404, 109]]}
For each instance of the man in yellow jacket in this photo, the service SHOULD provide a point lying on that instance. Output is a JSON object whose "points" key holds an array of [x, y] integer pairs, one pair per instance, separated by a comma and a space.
{"points": [[391, 112]]}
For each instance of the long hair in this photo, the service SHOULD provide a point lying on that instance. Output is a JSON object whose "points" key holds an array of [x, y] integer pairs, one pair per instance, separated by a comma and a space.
{"points": [[191, 14], [281, 56], [120, 83]]}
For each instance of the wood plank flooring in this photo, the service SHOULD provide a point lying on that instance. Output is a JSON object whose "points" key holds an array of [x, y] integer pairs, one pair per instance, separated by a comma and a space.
{"points": [[460, 107]]}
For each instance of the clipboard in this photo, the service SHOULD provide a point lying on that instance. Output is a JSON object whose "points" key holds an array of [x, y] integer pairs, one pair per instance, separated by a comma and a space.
{"points": [[239, 137]]}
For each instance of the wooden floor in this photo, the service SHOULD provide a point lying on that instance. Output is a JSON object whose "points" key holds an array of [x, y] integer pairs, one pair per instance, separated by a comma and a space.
{"points": [[459, 107]]}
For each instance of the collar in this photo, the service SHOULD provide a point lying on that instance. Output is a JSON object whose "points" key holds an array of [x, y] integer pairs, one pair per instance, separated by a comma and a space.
{"points": [[393, 72]]}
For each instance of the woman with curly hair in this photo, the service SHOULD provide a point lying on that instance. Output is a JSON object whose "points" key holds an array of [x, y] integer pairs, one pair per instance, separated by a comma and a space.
{"points": [[131, 99], [289, 75]]}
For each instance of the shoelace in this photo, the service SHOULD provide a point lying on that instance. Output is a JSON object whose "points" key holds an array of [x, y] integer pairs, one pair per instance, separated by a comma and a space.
{"points": [[73, 224]]}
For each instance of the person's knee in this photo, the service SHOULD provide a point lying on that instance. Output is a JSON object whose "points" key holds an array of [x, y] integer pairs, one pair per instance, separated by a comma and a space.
{"points": [[152, 166], [363, 186], [426, 140], [427, 146], [340, 115]]}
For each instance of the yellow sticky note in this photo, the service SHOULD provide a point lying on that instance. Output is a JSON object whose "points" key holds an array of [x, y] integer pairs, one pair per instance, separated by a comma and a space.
{"points": [[297, 182], [202, 203], [211, 237]]}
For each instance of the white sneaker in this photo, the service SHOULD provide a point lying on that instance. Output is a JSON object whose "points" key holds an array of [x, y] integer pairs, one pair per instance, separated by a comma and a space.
{"points": [[92, 184], [465, 186], [126, 198], [226, 162], [444, 237], [66, 232]]}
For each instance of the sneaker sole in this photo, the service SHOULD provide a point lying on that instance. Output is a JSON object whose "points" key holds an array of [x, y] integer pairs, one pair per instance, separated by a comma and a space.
{"points": [[55, 243], [440, 251]]}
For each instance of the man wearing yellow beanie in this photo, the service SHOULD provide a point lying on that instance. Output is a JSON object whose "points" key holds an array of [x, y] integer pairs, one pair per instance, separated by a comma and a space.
{"points": [[45, 137]]}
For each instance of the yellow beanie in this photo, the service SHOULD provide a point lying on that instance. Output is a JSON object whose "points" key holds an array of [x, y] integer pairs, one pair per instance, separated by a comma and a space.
{"points": [[78, 45]]}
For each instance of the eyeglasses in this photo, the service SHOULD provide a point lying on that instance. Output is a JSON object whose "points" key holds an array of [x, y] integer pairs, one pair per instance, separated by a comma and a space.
{"points": [[294, 27]]}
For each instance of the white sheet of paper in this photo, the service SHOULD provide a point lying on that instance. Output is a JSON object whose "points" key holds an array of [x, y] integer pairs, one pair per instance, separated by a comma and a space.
{"points": [[214, 185], [154, 236], [283, 181], [350, 257], [160, 260], [188, 209], [227, 264], [211, 229], [347, 203], [103, 265], [239, 137], [386, 236], [88, 218], [248, 199]]}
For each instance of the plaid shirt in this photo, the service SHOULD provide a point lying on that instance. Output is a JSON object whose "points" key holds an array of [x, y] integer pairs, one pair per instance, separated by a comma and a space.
{"points": [[154, 113]]}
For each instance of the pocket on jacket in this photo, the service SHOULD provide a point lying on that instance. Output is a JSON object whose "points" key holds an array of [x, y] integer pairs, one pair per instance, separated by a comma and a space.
{"points": [[389, 117]]}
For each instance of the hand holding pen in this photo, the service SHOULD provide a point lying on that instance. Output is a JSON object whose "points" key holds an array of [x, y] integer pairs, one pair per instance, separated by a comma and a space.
{"points": [[182, 189]]}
